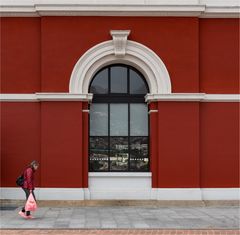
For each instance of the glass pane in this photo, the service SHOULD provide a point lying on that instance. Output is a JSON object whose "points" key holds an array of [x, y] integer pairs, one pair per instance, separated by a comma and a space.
{"points": [[137, 84], [138, 120], [139, 153], [118, 79], [99, 120], [98, 154], [119, 153], [118, 119], [100, 83]]}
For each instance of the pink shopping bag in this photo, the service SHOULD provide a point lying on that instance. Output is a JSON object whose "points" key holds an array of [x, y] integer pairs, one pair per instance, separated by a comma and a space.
{"points": [[31, 204]]}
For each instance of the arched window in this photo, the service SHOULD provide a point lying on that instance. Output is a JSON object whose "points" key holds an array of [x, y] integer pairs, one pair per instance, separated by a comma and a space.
{"points": [[118, 120]]}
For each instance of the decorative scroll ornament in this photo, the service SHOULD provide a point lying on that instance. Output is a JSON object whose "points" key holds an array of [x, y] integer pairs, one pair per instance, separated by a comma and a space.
{"points": [[120, 41]]}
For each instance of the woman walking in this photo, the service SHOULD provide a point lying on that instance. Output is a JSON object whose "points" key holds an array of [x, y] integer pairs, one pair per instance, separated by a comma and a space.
{"points": [[28, 185]]}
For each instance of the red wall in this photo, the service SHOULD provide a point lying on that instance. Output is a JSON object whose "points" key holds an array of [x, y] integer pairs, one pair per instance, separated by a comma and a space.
{"points": [[53, 136], [20, 139], [20, 55], [197, 144], [219, 141], [178, 144], [38, 54], [65, 39], [61, 144], [51, 133], [219, 56]]}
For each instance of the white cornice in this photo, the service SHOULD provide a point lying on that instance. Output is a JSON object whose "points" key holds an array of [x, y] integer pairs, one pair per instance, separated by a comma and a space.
{"points": [[222, 97], [200, 97], [76, 9], [18, 98], [45, 97], [175, 97]]}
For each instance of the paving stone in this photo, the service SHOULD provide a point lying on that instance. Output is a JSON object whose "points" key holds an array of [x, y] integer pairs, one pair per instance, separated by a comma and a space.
{"points": [[126, 217]]}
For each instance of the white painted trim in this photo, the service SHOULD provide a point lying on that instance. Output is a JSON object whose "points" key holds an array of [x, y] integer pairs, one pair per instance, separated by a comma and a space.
{"points": [[86, 193], [136, 55], [45, 97], [201, 97], [120, 41], [222, 97], [220, 193], [149, 97], [179, 194], [120, 185], [44, 193], [119, 8], [18, 98], [64, 97], [175, 97], [15, 193], [153, 111], [120, 174]]}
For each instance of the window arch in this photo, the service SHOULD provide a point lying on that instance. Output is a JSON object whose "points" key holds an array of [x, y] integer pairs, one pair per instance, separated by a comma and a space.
{"points": [[118, 120]]}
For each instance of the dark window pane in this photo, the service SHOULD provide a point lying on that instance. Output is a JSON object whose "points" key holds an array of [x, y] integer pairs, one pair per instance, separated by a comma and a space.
{"points": [[100, 83], [139, 153], [98, 153], [137, 84], [99, 120], [118, 119], [138, 120], [118, 79], [119, 153]]}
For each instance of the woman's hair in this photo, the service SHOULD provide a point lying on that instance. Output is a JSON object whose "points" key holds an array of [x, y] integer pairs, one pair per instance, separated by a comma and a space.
{"points": [[34, 163]]}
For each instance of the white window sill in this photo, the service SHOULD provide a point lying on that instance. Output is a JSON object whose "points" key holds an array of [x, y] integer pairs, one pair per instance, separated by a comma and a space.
{"points": [[120, 174]]}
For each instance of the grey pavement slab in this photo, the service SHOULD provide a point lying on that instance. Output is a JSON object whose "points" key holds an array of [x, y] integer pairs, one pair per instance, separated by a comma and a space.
{"points": [[209, 217]]}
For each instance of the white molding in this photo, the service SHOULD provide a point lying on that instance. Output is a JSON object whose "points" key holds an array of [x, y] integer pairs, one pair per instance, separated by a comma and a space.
{"points": [[15, 193], [190, 8], [120, 185], [18, 98], [120, 174], [64, 97], [136, 55], [86, 193], [60, 194], [119, 38], [220, 193], [222, 98], [152, 111], [175, 97], [45, 97], [201, 97], [135, 193], [179, 194]]}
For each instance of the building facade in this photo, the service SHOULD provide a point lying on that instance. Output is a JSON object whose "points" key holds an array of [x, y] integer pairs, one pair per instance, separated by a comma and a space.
{"points": [[121, 100]]}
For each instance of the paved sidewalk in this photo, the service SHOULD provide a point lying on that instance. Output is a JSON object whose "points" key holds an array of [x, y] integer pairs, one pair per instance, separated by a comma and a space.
{"points": [[123, 217], [119, 232]]}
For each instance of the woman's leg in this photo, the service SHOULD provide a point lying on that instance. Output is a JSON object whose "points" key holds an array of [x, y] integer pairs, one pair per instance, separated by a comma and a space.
{"points": [[23, 209], [27, 192]]}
